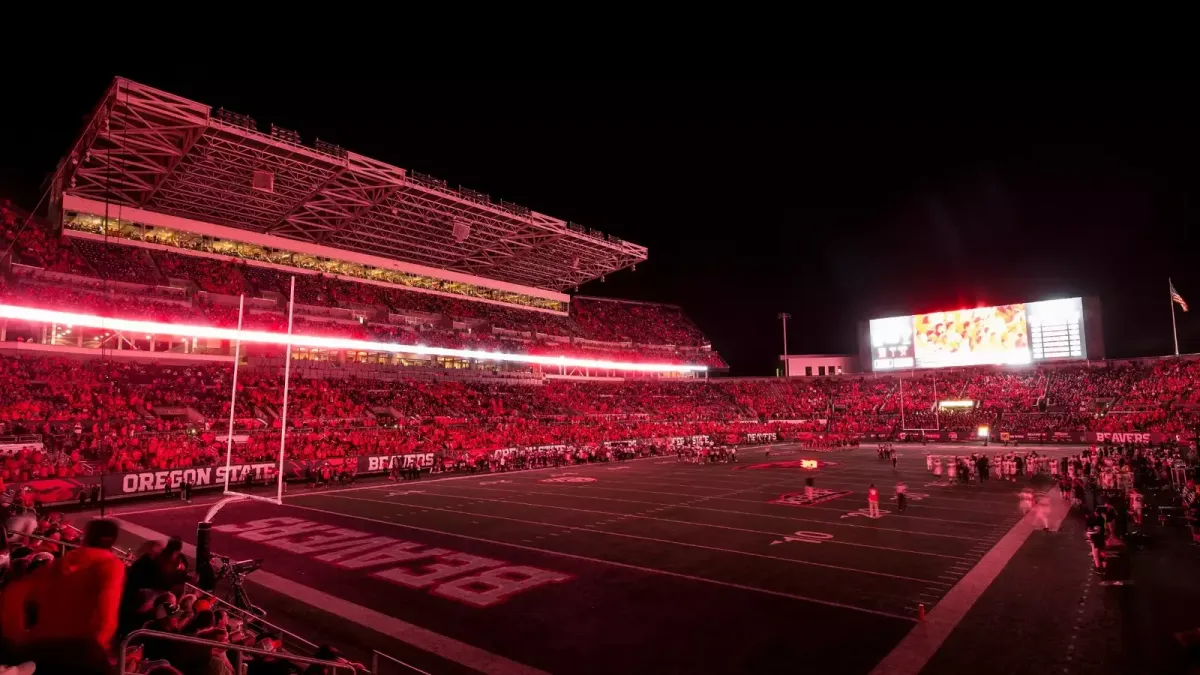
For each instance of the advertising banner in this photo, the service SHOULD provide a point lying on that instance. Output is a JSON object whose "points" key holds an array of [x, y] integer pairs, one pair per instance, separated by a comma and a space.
{"points": [[759, 437], [118, 485]]}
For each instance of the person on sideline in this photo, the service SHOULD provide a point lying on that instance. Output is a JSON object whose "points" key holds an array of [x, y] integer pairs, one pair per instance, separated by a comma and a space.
{"points": [[873, 501]]}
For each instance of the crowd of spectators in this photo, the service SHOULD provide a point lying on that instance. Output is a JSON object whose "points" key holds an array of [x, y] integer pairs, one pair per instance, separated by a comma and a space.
{"points": [[69, 598], [211, 275], [648, 323], [162, 306], [36, 246], [118, 262], [131, 414]]}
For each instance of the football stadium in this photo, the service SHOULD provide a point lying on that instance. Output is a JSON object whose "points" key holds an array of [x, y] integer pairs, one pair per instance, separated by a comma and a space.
{"points": [[270, 406]]}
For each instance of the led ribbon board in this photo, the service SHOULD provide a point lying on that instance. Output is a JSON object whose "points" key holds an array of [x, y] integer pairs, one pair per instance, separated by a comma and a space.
{"points": [[265, 337]]}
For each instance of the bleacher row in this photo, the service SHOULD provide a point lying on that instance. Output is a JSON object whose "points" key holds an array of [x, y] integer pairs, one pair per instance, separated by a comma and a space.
{"points": [[149, 279], [159, 416]]}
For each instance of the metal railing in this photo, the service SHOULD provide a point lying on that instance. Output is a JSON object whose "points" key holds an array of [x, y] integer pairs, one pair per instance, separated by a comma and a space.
{"points": [[378, 657], [238, 651], [255, 622], [121, 553]]}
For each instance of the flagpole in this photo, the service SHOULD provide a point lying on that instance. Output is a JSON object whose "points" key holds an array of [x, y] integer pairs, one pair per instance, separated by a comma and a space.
{"points": [[1174, 331]]}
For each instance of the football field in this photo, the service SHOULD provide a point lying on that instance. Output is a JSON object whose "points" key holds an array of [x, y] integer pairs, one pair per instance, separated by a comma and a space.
{"points": [[645, 566]]}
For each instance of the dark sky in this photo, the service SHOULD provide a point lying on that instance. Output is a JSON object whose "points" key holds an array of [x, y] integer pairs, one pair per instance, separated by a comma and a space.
{"points": [[834, 202]]}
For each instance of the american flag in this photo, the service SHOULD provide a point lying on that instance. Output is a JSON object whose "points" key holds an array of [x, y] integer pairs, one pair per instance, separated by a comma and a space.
{"points": [[1175, 296]]}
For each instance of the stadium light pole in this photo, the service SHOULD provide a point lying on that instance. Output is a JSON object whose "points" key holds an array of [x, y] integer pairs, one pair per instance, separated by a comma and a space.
{"points": [[784, 316]]}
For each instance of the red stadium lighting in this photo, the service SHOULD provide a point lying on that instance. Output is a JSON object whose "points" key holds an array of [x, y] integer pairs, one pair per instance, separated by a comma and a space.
{"points": [[265, 337]]}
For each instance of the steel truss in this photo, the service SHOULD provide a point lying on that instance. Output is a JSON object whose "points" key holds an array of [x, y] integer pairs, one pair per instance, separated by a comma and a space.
{"points": [[153, 150]]}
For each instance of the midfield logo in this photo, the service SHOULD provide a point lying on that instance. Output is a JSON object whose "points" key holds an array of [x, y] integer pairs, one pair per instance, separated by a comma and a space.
{"points": [[820, 496], [568, 479]]}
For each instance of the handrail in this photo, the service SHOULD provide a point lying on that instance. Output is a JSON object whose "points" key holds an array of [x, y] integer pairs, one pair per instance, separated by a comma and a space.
{"points": [[250, 619], [226, 646], [376, 655], [120, 552]]}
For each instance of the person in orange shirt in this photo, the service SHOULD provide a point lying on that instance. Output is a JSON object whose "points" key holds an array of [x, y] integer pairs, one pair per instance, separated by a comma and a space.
{"points": [[873, 501], [77, 599]]}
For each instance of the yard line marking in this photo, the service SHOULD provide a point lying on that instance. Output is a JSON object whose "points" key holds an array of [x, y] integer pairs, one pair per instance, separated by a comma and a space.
{"points": [[592, 528], [440, 645], [592, 487], [638, 568], [578, 491], [664, 507], [684, 522], [923, 641]]}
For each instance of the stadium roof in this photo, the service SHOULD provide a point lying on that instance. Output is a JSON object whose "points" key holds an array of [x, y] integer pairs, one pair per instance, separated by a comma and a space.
{"points": [[153, 150]]}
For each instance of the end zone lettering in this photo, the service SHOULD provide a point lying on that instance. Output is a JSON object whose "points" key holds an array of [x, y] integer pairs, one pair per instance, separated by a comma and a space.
{"points": [[469, 579], [156, 481], [385, 462]]}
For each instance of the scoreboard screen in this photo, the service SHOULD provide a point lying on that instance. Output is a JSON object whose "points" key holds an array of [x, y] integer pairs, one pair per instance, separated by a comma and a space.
{"points": [[892, 343], [1015, 334], [1056, 329]]}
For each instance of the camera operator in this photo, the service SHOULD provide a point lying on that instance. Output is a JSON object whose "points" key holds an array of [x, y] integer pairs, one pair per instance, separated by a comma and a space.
{"points": [[158, 569]]}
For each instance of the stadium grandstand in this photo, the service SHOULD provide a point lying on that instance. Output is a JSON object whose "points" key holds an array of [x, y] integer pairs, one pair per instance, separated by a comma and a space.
{"points": [[431, 331]]}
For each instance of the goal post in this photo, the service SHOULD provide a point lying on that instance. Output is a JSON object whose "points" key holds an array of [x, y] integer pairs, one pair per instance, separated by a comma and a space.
{"points": [[277, 498]]}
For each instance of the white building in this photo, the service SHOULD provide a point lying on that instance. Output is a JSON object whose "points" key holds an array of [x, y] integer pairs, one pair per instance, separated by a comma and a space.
{"points": [[818, 365]]}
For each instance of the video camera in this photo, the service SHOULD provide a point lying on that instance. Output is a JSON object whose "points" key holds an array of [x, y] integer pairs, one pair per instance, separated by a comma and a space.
{"points": [[238, 569]]}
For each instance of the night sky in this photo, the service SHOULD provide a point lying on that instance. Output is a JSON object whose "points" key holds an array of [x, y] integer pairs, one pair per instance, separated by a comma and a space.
{"points": [[834, 202]]}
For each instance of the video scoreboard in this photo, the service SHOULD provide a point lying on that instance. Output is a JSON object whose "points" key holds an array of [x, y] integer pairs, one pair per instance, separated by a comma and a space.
{"points": [[1017, 334]]}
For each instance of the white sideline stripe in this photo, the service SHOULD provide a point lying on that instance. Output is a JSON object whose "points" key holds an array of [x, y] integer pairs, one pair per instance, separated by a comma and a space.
{"points": [[421, 638], [160, 509], [601, 561], [911, 655], [441, 479]]}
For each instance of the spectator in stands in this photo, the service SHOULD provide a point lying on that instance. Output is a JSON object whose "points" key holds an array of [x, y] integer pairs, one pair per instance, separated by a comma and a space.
{"points": [[74, 602]]}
